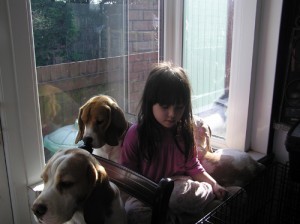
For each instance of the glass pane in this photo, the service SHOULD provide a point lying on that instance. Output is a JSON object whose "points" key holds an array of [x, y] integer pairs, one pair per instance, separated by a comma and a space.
{"points": [[89, 47], [206, 57]]}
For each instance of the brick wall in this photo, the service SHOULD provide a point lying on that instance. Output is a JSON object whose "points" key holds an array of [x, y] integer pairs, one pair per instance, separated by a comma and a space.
{"points": [[63, 88], [139, 67], [142, 46]]}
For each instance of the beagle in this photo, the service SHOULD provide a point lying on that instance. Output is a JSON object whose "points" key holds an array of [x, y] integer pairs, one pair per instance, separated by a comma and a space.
{"points": [[77, 190], [229, 167], [102, 125]]}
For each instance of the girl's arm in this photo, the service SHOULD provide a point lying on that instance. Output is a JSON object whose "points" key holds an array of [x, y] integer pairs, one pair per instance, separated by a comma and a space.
{"points": [[218, 190]]}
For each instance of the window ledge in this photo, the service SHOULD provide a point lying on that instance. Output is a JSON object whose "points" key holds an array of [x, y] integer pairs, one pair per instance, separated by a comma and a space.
{"points": [[256, 155]]}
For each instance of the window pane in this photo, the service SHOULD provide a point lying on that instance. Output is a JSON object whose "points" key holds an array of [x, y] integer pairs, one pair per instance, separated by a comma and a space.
{"points": [[85, 48], [206, 57]]}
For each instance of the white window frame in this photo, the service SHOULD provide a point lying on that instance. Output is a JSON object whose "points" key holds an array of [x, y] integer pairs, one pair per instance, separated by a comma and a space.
{"points": [[255, 39], [19, 109]]}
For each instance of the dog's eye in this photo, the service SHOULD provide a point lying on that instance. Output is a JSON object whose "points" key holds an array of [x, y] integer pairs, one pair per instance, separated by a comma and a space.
{"points": [[99, 122], [65, 184]]}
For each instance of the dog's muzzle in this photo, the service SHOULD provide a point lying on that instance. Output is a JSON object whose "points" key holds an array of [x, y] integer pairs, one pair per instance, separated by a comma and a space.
{"points": [[87, 144], [39, 210]]}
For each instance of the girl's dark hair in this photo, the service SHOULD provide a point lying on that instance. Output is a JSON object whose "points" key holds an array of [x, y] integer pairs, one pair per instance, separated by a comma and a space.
{"points": [[166, 85]]}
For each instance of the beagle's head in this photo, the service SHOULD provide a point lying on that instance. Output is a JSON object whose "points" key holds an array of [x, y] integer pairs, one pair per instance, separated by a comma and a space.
{"points": [[70, 178], [101, 121]]}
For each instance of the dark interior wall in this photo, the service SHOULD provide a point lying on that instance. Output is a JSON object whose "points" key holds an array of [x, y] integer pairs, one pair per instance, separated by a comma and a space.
{"points": [[289, 22], [285, 109]]}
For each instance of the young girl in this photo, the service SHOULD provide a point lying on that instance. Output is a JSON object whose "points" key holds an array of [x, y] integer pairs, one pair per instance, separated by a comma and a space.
{"points": [[161, 145]]}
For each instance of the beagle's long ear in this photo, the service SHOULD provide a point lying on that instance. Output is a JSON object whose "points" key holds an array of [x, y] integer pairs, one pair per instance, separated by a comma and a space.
{"points": [[98, 204], [117, 127], [80, 127]]}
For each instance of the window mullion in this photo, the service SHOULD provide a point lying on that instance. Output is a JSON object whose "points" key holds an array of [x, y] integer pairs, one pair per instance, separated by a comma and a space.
{"points": [[173, 31]]}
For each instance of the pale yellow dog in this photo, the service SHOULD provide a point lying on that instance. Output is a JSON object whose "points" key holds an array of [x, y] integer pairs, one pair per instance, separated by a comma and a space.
{"points": [[229, 167]]}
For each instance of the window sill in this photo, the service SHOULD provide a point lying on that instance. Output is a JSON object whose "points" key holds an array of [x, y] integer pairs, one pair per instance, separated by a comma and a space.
{"points": [[256, 155]]}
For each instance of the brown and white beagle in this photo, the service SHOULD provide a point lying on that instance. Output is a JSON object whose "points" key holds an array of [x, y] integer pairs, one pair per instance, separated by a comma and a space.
{"points": [[102, 125], [77, 190]]}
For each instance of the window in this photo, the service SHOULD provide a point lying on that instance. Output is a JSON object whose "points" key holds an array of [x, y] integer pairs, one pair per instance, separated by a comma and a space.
{"points": [[247, 116], [85, 48], [254, 50], [207, 38]]}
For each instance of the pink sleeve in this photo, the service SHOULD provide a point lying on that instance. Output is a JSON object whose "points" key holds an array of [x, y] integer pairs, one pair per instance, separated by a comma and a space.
{"points": [[193, 166], [129, 151]]}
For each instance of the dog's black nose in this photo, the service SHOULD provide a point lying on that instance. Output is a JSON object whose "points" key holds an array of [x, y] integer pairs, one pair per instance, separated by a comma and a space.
{"points": [[39, 210], [87, 148], [88, 141], [87, 144]]}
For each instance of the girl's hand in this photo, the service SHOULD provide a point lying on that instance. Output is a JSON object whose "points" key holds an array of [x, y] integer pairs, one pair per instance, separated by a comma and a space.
{"points": [[219, 191]]}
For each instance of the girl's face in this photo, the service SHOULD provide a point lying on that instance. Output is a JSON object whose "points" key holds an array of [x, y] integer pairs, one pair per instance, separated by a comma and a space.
{"points": [[168, 115]]}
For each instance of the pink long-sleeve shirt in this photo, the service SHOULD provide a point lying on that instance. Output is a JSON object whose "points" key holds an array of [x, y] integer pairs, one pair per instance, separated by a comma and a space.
{"points": [[169, 162]]}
